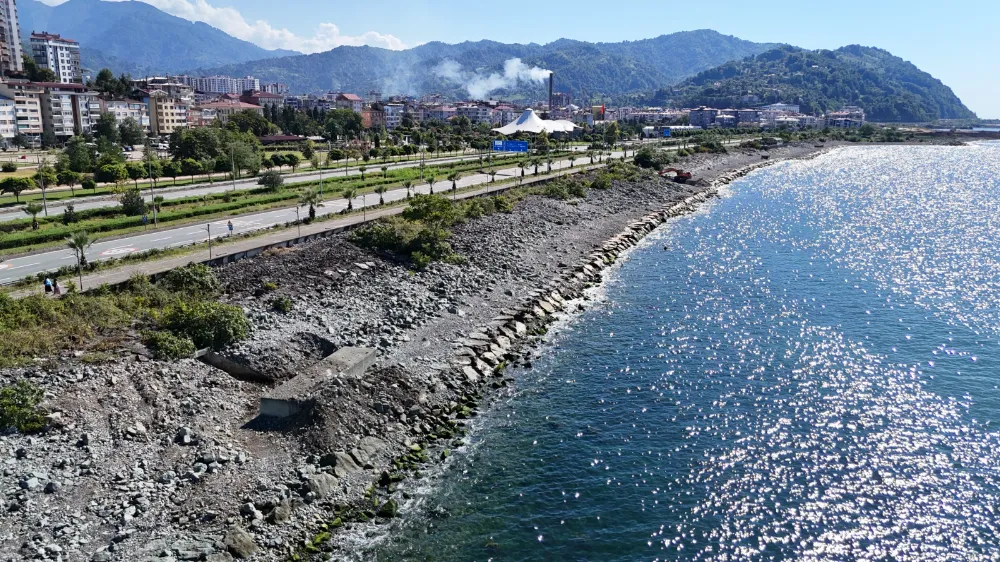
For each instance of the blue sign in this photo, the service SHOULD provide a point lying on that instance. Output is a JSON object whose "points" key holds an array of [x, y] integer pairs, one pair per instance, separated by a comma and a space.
{"points": [[510, 146], [666, 132]]}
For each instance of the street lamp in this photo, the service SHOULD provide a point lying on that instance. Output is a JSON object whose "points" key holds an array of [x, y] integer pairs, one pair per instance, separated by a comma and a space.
{"points": [[232, 162], [209, 228], [41, 179], [298, 222]]}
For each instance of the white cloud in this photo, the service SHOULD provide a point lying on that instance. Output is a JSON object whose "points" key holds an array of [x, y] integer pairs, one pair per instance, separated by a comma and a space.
{"points": [[326, 37]]}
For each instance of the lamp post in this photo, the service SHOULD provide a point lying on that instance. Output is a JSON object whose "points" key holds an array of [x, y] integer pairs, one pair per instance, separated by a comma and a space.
{"points": [[298, 222], [232, 162], [209, 228], [364, 207], [152, 202], [41, 179]]}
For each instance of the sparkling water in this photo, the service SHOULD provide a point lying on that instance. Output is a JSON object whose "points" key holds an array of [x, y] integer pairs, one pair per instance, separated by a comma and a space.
{"points": [[806, 369]]}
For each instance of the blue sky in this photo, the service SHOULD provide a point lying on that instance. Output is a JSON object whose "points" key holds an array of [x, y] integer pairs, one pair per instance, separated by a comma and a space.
{"points": [[957, 41]]}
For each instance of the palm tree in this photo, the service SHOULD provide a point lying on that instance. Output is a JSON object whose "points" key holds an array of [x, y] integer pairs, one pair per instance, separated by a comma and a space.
{"points": [[310, 197], [522, 164], [158, 202], [572, 159], [363, 169], [385, 171], [590, 154], [33, 209], [548, 161], [380, 189], [453, 178], [430, 181], [79, 241], [493, 176], [349, 194], [535, 162], [407, 184]]}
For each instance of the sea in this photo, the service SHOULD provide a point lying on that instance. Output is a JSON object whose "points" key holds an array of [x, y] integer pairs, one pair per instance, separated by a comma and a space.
{"points": [[805, 369]]}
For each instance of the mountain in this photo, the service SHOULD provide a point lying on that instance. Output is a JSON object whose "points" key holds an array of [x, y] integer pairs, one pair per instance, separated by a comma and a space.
{"points": [[887, 87], [136, 37], [588, 70]]}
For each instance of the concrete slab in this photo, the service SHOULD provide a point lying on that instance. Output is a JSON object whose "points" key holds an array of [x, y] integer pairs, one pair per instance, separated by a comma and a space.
{"points": [[300, 392]]}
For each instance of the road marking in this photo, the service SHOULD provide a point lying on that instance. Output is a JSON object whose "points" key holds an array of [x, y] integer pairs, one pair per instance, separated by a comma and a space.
{"points": [[118, 251], [161, 239]]}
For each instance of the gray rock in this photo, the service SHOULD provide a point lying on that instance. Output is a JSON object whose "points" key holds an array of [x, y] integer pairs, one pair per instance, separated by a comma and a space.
{"points": [[239, 543], [30, 484], [102, 556], [281, 513], [52, 487], [322, 484], [389, 509]]}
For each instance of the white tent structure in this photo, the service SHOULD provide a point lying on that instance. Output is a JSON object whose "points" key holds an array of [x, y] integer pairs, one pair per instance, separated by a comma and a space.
{"points": [[528, 122]]}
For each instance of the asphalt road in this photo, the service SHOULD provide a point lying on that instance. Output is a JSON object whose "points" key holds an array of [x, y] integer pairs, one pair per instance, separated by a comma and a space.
{"points": [[18, 268], [197, 190]]}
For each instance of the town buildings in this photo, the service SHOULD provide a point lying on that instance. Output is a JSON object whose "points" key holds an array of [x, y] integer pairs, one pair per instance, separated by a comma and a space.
{"points": [[848, 117], [263, 99], [702, 117], [222, 110], [58, 54], [10, 39], [126, 108], [220, 84], [167, 113], [349, 101], [67, 109], [8, 118], [27, 106], [393, 115]]}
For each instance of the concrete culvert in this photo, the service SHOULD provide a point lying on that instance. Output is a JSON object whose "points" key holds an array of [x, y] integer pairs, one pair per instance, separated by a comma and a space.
{"points": [[274, 363]]}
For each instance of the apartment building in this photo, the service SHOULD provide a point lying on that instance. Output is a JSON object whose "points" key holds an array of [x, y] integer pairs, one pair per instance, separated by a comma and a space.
{"points": [[8, 118], [276, 88], [27, 106], [124, 109], [475, 113], [67, 109], [10, 39], [221, 110], [393, 115], [262, 99], [167, 113], [58, 54], [702, 117], [349, 101], [373, 117]]}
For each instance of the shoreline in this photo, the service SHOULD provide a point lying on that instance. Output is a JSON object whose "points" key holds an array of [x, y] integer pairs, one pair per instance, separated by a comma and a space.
{"points": [[282, 490]]}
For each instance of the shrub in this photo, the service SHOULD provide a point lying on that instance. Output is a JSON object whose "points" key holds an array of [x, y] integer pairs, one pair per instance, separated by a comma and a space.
{"points": [[269, 286], [132, 203], [556, 190], [88, 183], [602, 181], [576, 188], [281, 304], [166, 346], [208, 324], [420, 260], [271, 179], [196, 280], [19, 407], [503, 204], [9, 167], [70, 215]]}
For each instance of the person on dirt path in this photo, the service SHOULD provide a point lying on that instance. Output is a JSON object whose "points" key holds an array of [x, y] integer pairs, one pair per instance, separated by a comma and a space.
{"points": [[56, 289], [48, 285]]}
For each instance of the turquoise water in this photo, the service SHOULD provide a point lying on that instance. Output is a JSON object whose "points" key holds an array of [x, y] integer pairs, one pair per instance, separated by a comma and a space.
{"points": [[804, 370]]}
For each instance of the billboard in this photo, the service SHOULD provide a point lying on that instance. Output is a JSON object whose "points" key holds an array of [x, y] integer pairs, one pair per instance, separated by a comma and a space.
{"points": [[666, 132], [510, 146]]}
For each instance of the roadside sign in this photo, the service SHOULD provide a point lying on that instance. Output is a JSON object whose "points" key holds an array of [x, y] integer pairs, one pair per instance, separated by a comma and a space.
{"points": [[510, 146], [666, 133]]}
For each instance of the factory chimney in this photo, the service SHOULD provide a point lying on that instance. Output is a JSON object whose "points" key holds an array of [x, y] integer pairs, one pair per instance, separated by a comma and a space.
{"points": [[552, 76]]}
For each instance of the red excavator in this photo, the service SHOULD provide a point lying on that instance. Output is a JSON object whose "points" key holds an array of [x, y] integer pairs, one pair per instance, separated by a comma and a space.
{"points": [[680, 175]]}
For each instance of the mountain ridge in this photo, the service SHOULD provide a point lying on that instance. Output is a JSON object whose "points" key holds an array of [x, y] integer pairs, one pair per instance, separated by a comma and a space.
{"points": [[887, 87], [137, 36]]}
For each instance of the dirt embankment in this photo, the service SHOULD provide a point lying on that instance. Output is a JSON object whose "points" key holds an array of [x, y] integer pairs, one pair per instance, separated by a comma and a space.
{"points": [[169, 461]]}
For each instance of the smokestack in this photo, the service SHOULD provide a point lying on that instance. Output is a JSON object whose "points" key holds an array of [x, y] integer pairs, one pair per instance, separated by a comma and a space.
{"points": [[552, 76]]}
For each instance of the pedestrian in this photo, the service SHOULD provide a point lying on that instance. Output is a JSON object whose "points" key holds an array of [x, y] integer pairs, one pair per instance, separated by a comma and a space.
{"points": [[48, 285], [230, 228], [56, 289]]}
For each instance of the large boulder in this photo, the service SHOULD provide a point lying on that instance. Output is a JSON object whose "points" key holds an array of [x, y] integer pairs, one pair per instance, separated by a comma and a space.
{"points": [[322, 485], [239, 543]]}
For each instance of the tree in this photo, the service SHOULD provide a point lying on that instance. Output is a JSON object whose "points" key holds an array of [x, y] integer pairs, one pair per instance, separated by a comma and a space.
{"points": [[34, 72], [453, 178], [385, 171], [208, 165], [535, 162], [88, 183], [612, 133], [130, 132], [33, 209], [349, 194], [79, 157], [522, 164], [136, 171], [493, 176], [132, 203], [190, 167], [292, 160], [310, 197], [342, 124], [70, 178], [362, 169], [112, 173], [430, 182], [173, 169], [79, 242], [381, 189], [45, 176], [407, 184], [249, 121], [308, 149], [154, 170], [20, 140], [107, 128], [16, 186], [271, 179]]}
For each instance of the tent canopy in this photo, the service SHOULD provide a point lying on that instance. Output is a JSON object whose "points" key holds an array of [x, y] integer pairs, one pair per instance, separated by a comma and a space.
{"points": [[528, 122]]}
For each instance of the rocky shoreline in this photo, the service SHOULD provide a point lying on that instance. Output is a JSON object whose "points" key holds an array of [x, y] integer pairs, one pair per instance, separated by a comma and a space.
{"points": [[169, 461]]}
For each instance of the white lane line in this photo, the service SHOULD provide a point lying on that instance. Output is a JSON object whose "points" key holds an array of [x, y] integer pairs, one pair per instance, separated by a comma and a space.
{"points": [[161, 239]]}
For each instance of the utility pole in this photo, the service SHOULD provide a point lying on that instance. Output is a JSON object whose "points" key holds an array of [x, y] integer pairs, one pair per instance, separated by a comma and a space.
{"points": [[298, 222], [41, 179], [232, 162], [152, 197], [209, 228], [364, 207]]}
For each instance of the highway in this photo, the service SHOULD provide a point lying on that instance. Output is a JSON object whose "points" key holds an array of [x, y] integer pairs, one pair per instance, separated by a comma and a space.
{"points": [[15, 269], [219, 186]]}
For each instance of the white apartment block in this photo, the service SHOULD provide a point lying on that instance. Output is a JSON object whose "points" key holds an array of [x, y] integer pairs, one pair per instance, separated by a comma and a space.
{"points": [[220, 84], [393, 115], [58, 54], [10, 38], [475, 113], [68, 109], [124, 109], [8, 118], [27, 106]]}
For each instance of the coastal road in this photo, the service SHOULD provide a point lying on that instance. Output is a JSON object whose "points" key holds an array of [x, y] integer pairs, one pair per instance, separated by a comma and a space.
{"points": [[198, 190], [15, 269]]}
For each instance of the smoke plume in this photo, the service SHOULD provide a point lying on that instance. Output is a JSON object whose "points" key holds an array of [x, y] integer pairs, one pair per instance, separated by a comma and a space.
{"points": [[479, 86]]}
